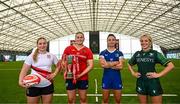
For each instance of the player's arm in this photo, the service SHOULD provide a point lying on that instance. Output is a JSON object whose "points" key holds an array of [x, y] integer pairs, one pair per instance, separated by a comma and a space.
{"points": [[135, 74], [118, 65], [57, 69], [23, 73], [167, 69], [103, 62], [163, 61], [89, 67]]}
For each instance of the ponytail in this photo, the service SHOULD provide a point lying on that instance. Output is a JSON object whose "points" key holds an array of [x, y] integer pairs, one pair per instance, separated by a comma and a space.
{"points": [[36, 51]]}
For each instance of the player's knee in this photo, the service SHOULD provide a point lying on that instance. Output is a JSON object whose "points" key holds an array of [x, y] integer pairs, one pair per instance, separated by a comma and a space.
{"points": [[105, 100], [118, 101], [83, 100], [71, 100]]}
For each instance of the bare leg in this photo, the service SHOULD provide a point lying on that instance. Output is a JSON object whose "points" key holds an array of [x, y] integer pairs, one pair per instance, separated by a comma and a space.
{"points": [[32, 100], [83, 96], [156, 99], [117, 96], [105, 96], [71, 96], [143, 99], [47, 99]]}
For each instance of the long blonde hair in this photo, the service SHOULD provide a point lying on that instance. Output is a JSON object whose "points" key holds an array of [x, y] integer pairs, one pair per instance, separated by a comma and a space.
{"points": [[35, 54]]}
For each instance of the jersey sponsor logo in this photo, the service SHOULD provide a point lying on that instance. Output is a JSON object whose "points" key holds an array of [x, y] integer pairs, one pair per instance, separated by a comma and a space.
{"points": [[145, 60], [73, 50]]}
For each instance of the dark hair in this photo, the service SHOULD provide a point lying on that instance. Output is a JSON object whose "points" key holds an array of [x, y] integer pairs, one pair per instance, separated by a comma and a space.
{"points": [[36, 51], [111, 35]]}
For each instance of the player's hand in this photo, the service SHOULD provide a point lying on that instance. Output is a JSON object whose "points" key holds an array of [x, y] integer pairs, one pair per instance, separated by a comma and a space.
{"points": [[51, 76], [22, 84], [78, 76], [152, 75], [136, 74]]}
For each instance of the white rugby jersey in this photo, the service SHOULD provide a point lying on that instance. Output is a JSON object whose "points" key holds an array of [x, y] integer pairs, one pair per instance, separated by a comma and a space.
{"points": [[44, 61]]}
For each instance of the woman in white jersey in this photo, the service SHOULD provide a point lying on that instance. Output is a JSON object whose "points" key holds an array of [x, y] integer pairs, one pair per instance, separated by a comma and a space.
{"points": [[40, 63]]}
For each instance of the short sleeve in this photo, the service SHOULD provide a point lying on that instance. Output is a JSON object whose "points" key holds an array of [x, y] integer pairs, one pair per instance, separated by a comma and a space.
{"points": [[55, 60], [89, 54], [29, 60], [132, 61], [121, 56], [161, 59], [101, 54]]}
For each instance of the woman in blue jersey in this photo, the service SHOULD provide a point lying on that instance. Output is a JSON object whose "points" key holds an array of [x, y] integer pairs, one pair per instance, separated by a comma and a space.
{"points": [[148, 83], [40, 63], [111, 60]]}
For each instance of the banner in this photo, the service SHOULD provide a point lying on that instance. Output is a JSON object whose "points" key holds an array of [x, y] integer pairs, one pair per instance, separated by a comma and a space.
{"points": [[94, 41]]}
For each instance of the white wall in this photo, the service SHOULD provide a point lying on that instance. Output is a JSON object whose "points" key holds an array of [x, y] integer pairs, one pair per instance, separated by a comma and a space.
{"points": [[128, 45]]}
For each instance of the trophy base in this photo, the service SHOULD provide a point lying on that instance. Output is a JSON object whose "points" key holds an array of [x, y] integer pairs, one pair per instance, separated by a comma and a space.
{"points": [[69, 75]]}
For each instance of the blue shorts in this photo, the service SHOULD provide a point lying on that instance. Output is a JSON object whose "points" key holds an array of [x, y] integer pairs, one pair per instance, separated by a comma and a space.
{"points": [[80, 84], [38, 91], [111, 83]]}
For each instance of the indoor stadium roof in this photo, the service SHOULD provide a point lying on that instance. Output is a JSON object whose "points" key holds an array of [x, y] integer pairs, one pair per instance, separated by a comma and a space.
{"points": [[23, 21]]}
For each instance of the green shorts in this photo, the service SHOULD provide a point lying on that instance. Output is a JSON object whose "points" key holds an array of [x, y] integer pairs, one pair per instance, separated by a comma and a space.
{"points": [[150, 87]]}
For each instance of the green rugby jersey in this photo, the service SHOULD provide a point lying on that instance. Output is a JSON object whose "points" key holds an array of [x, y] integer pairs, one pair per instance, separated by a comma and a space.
{"points": [[146, 61]]}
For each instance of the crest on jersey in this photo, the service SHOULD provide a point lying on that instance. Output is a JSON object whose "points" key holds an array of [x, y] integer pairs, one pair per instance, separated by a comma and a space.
{"points": [[116, 55], [48, 56], [84, 51], [151, 54], [138, 55]]}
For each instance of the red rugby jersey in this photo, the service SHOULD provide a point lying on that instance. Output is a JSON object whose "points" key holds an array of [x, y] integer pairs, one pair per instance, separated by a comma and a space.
{"points": [[83, 54]]}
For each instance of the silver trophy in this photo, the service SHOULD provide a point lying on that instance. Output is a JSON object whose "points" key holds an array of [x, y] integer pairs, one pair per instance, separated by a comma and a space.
{"points": [[69, 71]]}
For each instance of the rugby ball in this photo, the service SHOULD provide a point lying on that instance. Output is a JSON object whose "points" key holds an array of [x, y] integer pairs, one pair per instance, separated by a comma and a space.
{"points": [[31, 80]]}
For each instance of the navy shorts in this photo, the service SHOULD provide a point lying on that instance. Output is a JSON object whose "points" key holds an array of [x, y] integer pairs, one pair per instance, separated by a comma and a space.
{"points": [[111, 83], [38, 91], [80, 84]]}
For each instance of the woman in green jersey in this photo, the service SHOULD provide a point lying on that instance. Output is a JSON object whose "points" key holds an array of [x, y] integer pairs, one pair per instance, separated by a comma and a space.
{"points": [[148, 83]]}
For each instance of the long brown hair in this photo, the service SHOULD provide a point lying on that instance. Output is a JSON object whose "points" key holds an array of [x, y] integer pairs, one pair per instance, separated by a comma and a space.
{"points": [[36, 51]]}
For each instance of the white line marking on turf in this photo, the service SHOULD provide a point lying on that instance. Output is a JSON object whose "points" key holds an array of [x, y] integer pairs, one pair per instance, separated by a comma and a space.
{"points": [[112, 95], [9, 69]]}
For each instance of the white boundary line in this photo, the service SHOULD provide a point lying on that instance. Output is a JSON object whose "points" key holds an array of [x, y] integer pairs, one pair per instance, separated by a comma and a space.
{"points": [[112, 95], [9, 69], [96, 90]]}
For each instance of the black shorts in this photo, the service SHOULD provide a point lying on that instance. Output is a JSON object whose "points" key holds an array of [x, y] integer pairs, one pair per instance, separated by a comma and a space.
{"points": [[37, 91], [80, 84]]}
